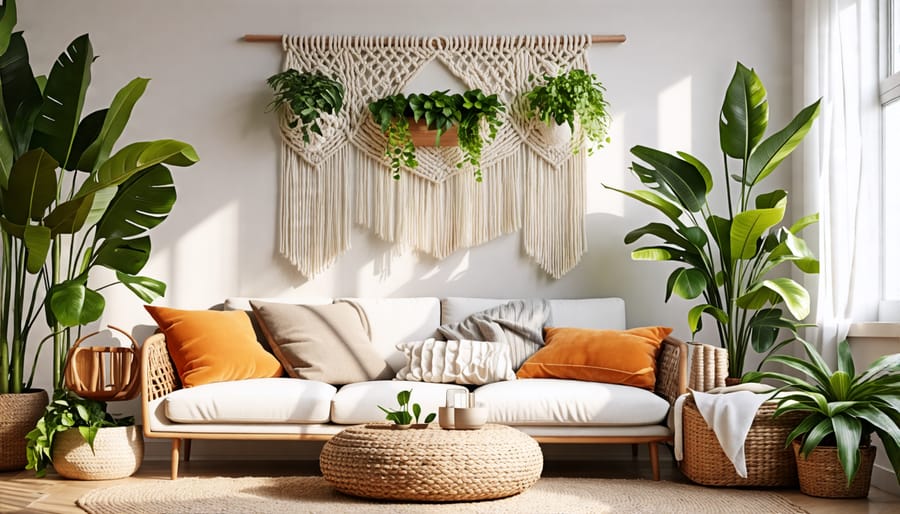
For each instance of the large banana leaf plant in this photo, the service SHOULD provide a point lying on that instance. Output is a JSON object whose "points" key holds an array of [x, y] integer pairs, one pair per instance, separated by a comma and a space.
{"points": [[842, 408], [69, 203], [731, 259]]}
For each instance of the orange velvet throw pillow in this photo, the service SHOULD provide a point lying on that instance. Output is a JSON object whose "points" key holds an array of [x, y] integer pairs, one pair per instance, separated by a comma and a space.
{"points": [[213, 346], [626, 357]]}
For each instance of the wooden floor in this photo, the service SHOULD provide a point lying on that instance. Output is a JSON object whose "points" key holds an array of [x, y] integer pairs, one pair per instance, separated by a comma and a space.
{"points": [[21, 492]]}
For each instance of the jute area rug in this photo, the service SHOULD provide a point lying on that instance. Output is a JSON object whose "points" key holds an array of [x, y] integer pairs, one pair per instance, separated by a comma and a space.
{"points": [[314, 495]]}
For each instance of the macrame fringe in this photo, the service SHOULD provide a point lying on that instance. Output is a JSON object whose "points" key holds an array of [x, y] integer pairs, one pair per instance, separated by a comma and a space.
{"points": [[555, 238], [315, 213], [439, 218]]}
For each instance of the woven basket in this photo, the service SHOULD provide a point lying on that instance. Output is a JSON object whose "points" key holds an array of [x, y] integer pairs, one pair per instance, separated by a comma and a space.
{"points": [[118, 452], [821, 473], [769, 463], [373, 461], [19, 413]]}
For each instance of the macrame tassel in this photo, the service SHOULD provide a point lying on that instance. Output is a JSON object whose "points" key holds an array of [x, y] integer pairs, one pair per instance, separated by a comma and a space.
{"points": [[553, 229], [315, 211]]}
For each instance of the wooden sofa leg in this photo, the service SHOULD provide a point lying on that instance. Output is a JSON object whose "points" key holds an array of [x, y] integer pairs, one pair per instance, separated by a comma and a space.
{"points": [[187, 449], [176, 448], [634, 450], [654, 460]]}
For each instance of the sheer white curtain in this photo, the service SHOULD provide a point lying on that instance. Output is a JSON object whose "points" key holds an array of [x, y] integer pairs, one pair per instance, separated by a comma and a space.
{"points": [[838, 169]]}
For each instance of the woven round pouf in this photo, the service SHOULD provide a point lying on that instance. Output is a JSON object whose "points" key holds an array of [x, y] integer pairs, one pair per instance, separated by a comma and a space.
{"points": [[375, 461], [118, 453]]}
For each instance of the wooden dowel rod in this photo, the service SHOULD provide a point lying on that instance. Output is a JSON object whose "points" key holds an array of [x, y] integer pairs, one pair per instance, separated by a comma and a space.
{"points": [[274, 38]]}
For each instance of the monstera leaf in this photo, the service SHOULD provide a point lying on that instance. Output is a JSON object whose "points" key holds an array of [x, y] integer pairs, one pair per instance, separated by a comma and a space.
{"points": [[140, 204]]}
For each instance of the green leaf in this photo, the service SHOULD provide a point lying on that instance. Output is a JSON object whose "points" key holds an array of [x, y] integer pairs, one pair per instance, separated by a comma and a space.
{"points": [[689, 283], [677, 176], [145, 288], [795, 296], [67, 84], [417, 411], [32, 187], [778, 146], [848, 433], [662, 231], [37, 240], [113, 124], [694, 315], [749, 226], [69, 217], [430, 417], [21, 94], [125, 255], [720, 230], [845, 358], [136, 157], [74, 304], [701, 168], [804, 222], [87, 133], [840, 385], [672, 211], [744, 115], [141, 203], [8, 19], [403, 397]]}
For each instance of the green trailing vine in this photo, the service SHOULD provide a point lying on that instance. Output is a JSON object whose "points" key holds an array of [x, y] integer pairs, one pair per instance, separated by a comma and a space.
{"points": [[308, 95], [441, 111], [576, 94]]}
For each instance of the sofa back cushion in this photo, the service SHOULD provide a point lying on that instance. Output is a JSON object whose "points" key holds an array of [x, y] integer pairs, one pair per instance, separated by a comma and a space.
{"points": [[329, 343], [397, 320], [599, 313]]}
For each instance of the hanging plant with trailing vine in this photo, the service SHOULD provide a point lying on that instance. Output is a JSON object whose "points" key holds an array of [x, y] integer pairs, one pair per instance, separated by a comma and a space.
{"points": [[565, 98], [307, 95]]}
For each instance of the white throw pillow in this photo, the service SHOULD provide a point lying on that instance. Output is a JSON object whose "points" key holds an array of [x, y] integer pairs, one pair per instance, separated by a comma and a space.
{"points": [[462, 362]]}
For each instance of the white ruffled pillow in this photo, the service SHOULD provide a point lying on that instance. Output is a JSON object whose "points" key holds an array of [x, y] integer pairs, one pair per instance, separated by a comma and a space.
{"points": [[462, 362]]}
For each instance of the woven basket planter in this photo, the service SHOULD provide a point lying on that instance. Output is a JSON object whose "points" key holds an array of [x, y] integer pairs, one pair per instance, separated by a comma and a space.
{"points": [[769, 463], [19, 414], [821, 473], [118, 453]]}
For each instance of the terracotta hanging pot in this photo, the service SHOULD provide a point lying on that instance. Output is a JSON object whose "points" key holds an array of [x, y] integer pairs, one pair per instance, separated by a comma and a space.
{"points": [[424, 136]]}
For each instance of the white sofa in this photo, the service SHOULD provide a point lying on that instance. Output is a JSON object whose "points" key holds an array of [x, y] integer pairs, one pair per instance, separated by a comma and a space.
{"points": [[550, 410]]}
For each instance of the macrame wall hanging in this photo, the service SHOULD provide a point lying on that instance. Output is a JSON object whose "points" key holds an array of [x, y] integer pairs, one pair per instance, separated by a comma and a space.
{"points": [[531, 182]]}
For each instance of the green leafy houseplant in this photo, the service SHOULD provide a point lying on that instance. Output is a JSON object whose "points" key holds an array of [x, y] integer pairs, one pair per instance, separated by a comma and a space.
{"points": [[67, 411], [732, 258], [567, 97], [842, 408], [402, 416], [69, 203], [307, 95], [441, 111]]}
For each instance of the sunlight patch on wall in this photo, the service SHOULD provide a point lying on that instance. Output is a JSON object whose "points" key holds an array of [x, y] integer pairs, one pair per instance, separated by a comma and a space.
{"points": [[608, 166], [205, 259], [674, 114]]}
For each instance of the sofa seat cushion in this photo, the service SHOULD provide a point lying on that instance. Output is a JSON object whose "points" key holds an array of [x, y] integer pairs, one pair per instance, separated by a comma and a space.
{"points": [[547, 401], [358, 403], [262, 400]]}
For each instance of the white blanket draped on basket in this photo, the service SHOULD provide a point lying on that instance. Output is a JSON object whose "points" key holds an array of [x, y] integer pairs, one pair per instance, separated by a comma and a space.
{"points": [[530, 183]]}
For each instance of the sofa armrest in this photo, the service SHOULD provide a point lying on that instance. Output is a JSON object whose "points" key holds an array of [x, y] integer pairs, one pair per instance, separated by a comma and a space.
{"points": [[671, 369], [158, 375]]}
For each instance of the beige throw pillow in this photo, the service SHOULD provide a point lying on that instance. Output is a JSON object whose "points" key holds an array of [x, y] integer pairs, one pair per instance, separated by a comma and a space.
{"points": [[462, 362], [328, 343]]}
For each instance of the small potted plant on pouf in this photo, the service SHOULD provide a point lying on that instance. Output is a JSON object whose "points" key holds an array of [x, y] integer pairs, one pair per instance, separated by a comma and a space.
{"points": [[563, 100], [402, 417], [832, 443], [83, 441]]}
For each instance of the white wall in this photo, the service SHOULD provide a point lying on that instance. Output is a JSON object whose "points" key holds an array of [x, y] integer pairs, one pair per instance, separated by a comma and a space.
{"points": [[665, 86]]}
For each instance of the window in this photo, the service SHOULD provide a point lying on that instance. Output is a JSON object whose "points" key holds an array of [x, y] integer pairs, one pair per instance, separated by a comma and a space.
{"points": [[890, 101]]}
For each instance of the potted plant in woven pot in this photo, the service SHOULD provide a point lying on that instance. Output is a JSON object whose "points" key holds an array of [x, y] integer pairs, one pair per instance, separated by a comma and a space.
{"points": [[83, 441], [306, 96], [419, 119], [402, 417], [842, 410], [69, 204], [560, 101], [730, 257]]}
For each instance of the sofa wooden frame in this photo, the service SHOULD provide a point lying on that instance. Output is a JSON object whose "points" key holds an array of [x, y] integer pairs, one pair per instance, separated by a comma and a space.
{"points": [[159, 378]]}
